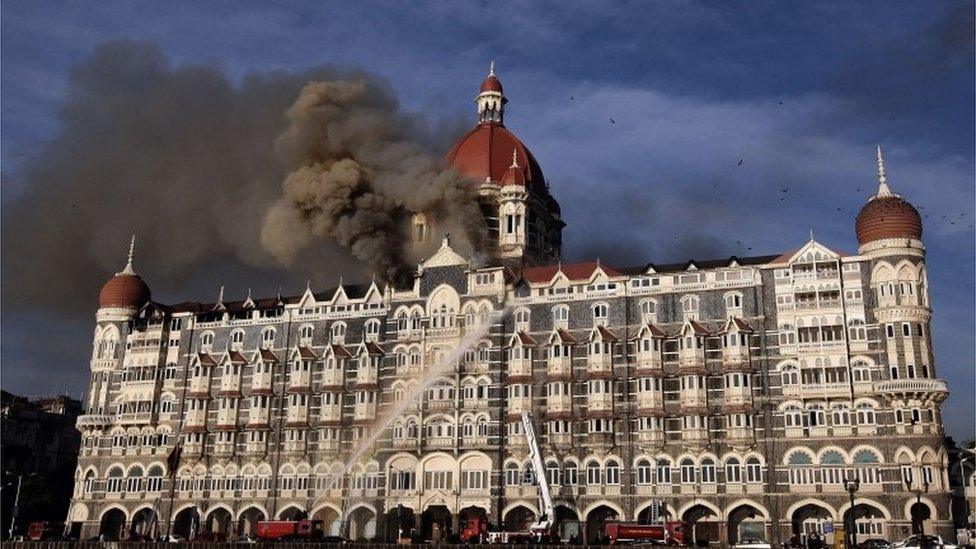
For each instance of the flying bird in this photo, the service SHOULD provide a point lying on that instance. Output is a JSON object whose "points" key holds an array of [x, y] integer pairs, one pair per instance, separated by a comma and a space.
{"points": [[740, 162], [784, 190], [612, 121], [572, 97]]}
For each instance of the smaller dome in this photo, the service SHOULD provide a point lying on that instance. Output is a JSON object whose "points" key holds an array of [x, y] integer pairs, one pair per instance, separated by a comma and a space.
{"points": [[515, 174], [124, 291], [491, 84], [888, 216]]}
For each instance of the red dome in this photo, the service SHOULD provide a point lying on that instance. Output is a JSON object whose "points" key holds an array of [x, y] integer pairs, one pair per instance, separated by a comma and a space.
{"points": [[887, 216], [485, 153], [124, 290], [492, 84]]}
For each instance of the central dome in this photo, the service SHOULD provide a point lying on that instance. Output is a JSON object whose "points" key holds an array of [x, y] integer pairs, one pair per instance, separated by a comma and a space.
{"points": [[485, 154]]}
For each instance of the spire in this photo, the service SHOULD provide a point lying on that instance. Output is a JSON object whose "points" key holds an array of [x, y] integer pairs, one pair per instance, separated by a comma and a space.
{"points": [[491, 68], [883, 189], [490, 100], [514, 158], [128, 270]]}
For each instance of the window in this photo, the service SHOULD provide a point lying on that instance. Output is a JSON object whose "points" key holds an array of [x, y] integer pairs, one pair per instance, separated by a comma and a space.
{"points": [[733, 471], [708, 471], [733, 302], [687, 471], [649, 311], [115, 480], [613, 473], [560, 316], [689, 307], [522, 317], [890, 330], [339, 333], [206, 342], [753, 470], [154, 481], [663, 471], [643, 472], [237, 340], [593, 473], [305, 335], [571, 474], [512, 474], [267, 338], [552, 473], [600, 313]]}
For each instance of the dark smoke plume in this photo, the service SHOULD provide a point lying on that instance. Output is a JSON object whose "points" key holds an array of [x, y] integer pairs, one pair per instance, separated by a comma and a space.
{"points": [[356, 176], [211, 173]]}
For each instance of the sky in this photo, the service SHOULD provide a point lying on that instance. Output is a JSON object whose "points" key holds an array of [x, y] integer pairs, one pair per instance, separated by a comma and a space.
{"points": [[668, 131]]}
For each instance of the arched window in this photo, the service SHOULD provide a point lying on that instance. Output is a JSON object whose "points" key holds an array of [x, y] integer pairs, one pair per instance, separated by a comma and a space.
{"points": [[560, 316], [689, 307], [856, 330], [571, 474], [552, 473], [733, 470], [372, 329], [600, 314], [832, 467], [237, 340], [793, 416], [512, 474], [613, 472], [801, 471], [643, 472], [733, 303], [593, 473], [789, 375], [339, 333], [663, 471], [868, 466], [753, 470], [522, 318], [305, 335], [89, 484], [649, 311], [154, 480], [206, 342], [841, 415], [708, 471], [687, 471], [267, 338], [865, 414], [115, 480]]}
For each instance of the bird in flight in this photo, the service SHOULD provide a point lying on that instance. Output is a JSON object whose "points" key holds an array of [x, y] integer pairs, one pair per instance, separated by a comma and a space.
{"points": [[612, 121], [740, 162]]}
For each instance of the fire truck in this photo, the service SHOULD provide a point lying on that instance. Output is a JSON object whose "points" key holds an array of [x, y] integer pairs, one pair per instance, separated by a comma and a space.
{"points": [[663, 533], [286, 530], [542, 530]]}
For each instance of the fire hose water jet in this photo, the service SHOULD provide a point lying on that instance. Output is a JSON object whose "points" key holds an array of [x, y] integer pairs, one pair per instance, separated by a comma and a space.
{"points": [[444, 366]]}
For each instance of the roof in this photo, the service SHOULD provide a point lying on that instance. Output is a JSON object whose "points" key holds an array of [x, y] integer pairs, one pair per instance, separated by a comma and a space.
{"points": [[352, 291], [704, 264], [207, 359], [491, 83], [124, 291], [606, 334], [526, 339], [268, 356], [888, 216], [572, 271], [485, 154]]}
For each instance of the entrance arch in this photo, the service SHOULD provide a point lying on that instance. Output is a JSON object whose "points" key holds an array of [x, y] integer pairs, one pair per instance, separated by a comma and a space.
{"points": [[293, 512], [186, 523], [331, 519], [248, 521], [218, 522], [112, 524], [401, 522], [361, 524], [703, 524], [469, 514], [869, 521], [144, 524], [595, 521], [809, 520], [568, 524], [435, 523], [746, 522], [518, 518]]}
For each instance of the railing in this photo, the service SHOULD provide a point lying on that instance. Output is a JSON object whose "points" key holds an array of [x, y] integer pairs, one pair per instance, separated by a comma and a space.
{"points": [[93, 420], [912, 386]]}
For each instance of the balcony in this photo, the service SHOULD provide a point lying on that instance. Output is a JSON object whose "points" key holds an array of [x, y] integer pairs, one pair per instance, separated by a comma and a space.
{"points": [[691, 364], [230, 384], [93, 420], [650, 401], [863, 387], [599, 365], [693, 399], [599, 402], [330, 413], [520, 368], [439, 442], [255, 447], [559, 404], [261, 383], [257, 416], [738, 396], [329, 446], [440, 404], [562, 440], [199, 385], [366, 376], [299, 380], [649, 361], [517, 405], [332, 377], [560, 367], [735, 359], [932, 388], [653, 436], [404, 443], [694, 437], [364, 411], [224, 448], [740, 436]]}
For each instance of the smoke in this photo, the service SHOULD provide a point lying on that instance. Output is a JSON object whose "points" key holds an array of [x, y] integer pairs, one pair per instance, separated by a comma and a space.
{"points": [[356, 177], [211, 173]]}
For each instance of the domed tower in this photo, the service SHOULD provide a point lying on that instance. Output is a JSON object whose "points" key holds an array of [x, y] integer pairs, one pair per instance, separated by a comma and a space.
{"points": [[889, 232], [523, 218], [120, 299]]}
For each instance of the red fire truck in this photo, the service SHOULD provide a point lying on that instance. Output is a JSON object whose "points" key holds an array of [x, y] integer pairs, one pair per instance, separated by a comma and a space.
{"points": [[44, 531], [283, 530], [667, 533]]}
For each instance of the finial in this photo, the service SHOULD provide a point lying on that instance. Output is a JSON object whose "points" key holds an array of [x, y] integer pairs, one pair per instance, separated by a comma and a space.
{"points": [[220, 297], [514, 158], [128, 270], [811, 235], [446, 241], [340, 280], [883, 189], [249, 293], [308, 285], [491, 68]]}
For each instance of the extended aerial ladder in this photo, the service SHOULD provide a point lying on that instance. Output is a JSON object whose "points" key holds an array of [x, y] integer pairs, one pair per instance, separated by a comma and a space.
{"points": [[547, 512]]}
